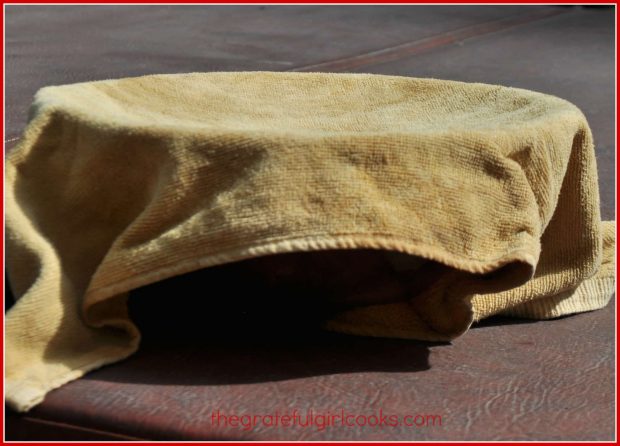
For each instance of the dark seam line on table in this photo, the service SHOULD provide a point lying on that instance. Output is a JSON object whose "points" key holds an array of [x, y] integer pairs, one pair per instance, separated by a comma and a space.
{"points": [[81, 428], [414, 47]]}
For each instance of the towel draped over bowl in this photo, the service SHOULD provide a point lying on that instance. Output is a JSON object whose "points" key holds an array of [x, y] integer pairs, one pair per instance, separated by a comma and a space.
{"points": [[119, 184]]}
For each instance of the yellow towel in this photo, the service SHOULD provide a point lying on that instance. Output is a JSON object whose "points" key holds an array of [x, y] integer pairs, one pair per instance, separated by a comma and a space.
{"points": [[121, 183]]}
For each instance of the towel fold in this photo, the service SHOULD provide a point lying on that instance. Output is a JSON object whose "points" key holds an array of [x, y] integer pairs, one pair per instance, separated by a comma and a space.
{"points": [[118, 184]]}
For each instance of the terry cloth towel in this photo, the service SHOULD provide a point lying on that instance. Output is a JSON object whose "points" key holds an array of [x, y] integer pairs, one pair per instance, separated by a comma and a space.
{"points": [[118, 184]]}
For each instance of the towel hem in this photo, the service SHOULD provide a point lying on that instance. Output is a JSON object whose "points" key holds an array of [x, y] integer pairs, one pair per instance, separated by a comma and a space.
{"points": [[312, 243]]}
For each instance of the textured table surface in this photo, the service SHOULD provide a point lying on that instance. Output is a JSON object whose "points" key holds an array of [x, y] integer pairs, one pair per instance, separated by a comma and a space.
{"points": [[505, 379]]}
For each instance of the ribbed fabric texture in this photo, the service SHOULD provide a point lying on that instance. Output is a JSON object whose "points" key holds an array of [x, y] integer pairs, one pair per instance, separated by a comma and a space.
{"points": [[118, 184]]}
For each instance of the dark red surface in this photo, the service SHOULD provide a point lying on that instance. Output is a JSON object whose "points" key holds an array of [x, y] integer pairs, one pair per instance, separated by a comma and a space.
{"points": [[502, 380], [505, 379]]}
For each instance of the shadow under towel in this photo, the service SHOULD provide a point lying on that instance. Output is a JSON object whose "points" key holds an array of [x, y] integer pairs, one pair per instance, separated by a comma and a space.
{"points": [[480, 200]]}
